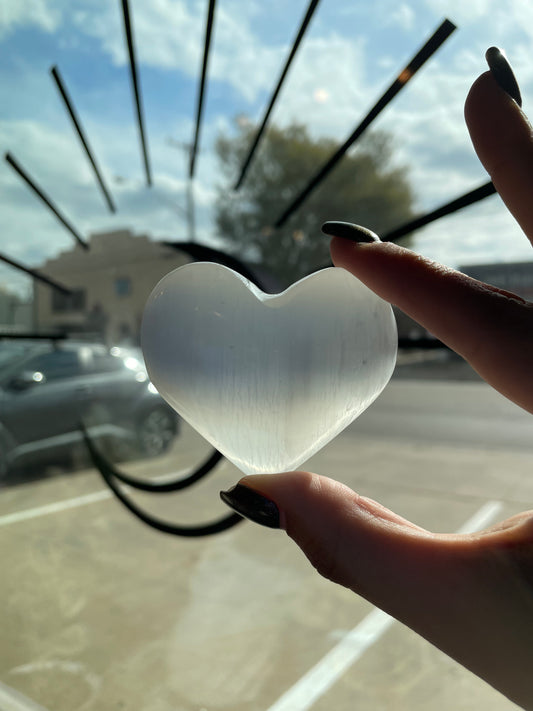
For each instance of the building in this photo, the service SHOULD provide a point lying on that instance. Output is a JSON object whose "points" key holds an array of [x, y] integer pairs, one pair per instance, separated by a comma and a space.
{"points": [[516, 277], [112, 280], [16, 313], [110, 283]]}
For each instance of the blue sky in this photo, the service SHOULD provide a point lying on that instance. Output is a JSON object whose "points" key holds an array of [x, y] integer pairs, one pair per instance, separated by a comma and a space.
{"points": [[352, 52]]}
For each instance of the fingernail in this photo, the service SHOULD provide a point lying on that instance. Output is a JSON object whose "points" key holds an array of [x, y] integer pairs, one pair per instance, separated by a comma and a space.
{"points": [[252, 505], [503, 73], [347, 230]]}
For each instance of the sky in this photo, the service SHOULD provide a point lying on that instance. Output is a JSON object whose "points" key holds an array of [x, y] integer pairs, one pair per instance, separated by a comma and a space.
{"points": [[351, 53]]}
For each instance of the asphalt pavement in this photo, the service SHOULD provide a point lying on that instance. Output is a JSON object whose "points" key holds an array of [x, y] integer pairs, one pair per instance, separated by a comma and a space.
{"points": [[101, 612]]}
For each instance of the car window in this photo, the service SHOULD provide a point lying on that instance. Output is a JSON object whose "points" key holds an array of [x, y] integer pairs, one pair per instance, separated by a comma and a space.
{"points": [[11, 353], [56, 365], [106, 363]]}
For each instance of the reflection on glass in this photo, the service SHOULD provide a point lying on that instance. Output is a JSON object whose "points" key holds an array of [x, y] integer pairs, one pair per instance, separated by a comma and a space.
{"points": [[100, 612]]}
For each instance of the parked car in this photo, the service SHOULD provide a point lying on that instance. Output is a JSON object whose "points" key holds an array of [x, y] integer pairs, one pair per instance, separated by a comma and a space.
{"points": [[47, 388]]}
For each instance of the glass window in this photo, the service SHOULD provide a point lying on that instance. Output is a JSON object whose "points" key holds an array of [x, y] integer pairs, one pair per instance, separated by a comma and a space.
{"points": [[102, 613], [123, 286], [106, 363], [12, 352], [75, 301], [56, 364]]}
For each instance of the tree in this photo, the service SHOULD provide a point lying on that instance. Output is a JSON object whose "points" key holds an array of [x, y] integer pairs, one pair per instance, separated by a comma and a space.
{"points": [[362, 188]]}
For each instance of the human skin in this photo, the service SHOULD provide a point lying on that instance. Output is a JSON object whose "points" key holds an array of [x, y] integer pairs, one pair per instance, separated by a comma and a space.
{"points": [[470, 595]]}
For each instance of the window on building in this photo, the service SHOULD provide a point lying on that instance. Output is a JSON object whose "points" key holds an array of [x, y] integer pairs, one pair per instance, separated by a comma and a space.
{"points": [[75, 301], [123, 286]]}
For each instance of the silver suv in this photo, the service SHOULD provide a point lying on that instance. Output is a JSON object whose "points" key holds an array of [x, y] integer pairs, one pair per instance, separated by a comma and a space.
{"points": [[47, 388]]}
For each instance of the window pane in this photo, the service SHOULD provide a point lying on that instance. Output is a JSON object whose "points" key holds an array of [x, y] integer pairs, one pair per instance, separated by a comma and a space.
{"points": [[102, 613], [56, 364], [68, 302], [105, 363], [123, 286]]}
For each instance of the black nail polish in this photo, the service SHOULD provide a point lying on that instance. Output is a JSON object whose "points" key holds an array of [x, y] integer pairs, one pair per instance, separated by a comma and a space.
{"points": [[503, 73], [252, 505], [347, 230]]}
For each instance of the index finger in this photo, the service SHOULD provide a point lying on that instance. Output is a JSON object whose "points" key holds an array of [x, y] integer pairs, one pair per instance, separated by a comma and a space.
{"points": [[503, 139], [491, 329]]}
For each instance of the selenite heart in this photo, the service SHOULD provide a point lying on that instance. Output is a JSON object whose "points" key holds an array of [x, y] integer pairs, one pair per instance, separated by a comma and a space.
{"points": [[267, 379]]}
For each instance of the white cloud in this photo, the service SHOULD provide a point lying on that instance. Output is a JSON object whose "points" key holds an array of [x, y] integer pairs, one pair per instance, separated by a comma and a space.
{"points": [[464, 12], [169, 34], [31, 233], [404, 16], [337, 65], [52, 152], [55, 162], [481, 234], [20, 13]]}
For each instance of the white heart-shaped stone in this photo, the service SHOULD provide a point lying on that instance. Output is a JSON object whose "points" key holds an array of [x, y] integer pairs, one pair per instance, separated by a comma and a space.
{"points": [[267, 379]]}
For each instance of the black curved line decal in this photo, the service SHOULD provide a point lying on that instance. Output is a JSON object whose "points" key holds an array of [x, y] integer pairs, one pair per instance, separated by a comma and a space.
{"points": [[165, 487], [206, 529]]}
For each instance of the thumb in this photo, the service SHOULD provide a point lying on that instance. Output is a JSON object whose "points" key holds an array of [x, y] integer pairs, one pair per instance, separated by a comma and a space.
{"points": [[469, 595], [348, 538]]}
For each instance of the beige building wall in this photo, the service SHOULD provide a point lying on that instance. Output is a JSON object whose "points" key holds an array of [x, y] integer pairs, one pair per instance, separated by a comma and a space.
{"points": [[114, 279], [16, 314]]}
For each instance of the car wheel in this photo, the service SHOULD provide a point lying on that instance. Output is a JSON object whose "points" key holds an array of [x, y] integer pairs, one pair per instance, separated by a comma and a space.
{"points": [[156, 431]]}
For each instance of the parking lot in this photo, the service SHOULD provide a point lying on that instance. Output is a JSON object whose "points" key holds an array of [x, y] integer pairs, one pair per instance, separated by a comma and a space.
{"points": [[101, 612]]}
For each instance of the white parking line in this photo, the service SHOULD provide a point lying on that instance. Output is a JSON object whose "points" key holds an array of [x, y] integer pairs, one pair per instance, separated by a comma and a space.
{"points": [[320, 678], [57, 506], [12, 700]]}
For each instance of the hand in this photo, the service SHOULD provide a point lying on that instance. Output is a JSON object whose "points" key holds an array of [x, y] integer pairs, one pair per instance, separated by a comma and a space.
{"points": [[487, 624]]}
